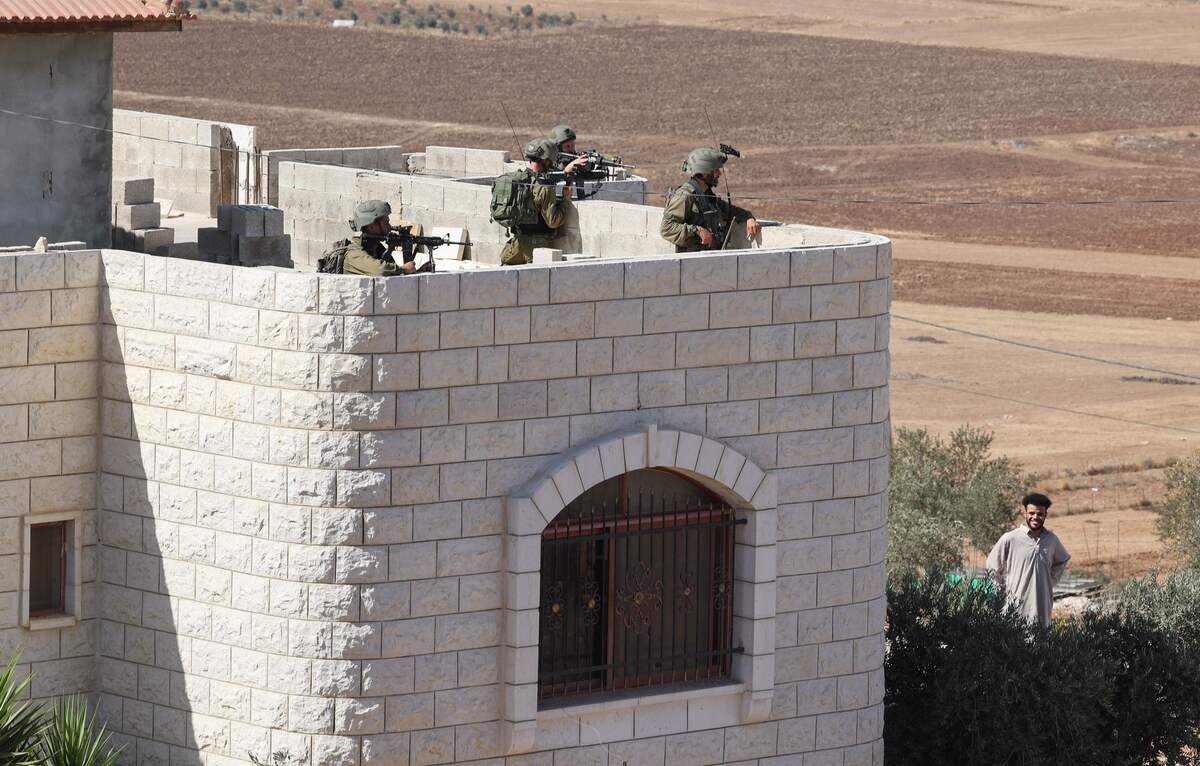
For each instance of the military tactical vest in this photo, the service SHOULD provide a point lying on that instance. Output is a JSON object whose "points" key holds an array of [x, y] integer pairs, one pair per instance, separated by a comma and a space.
{"points": [[334, 259], [512, 200], [709, 214]]}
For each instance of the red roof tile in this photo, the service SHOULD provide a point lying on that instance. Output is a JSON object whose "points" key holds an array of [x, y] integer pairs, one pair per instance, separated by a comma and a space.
{"points": [[85, 11]]}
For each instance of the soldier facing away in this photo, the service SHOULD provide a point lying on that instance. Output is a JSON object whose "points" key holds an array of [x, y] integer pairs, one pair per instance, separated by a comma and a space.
{"points": [[695, 218], [527, 206], [367, 251]]}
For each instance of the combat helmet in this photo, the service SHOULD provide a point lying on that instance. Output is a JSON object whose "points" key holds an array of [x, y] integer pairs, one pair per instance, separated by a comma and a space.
{"points": [[543, 150], [703, 161], [369, 212], [562, 134]]}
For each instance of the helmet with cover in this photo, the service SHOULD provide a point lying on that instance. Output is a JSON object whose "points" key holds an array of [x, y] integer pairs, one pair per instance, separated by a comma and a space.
{"points": [[369, 212]]}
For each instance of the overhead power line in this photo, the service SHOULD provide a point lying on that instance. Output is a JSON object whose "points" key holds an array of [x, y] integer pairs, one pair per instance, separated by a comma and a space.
{"points": [[1048, 349], [1057, 407], [800, 200]]}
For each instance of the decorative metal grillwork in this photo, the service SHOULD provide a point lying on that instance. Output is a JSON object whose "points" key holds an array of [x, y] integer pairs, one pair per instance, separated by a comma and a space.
{"points": [[636, 593]]}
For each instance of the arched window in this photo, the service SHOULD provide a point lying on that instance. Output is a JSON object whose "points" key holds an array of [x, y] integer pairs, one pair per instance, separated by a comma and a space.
{"points": [[636, 587]]}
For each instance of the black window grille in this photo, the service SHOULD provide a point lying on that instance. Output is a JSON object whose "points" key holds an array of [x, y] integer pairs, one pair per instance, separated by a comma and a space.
{"points": [[636, 588], [47, 568]]}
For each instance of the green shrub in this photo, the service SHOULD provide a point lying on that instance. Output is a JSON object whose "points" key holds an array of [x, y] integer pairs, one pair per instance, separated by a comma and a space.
{"points": [[1171, 602], [969, 681], [946, 495], [527, 10], [21, 723], [73, 739], [1179, 517]]}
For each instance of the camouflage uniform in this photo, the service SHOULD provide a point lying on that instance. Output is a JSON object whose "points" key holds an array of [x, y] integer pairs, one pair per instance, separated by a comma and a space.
{"points": [[689, 207], [551, 212], [372, 259]]}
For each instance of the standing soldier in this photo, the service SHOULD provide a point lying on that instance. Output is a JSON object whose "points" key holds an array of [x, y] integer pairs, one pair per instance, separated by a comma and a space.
{"points": [[525, 204], [695, 218]]}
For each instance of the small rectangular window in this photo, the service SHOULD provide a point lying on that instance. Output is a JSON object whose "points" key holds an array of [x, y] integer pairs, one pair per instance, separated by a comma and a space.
{"points": [[48, 568]]}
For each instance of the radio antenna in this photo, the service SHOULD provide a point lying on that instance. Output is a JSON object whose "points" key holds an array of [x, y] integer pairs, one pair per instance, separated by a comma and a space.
{"points": [[516, 141]]}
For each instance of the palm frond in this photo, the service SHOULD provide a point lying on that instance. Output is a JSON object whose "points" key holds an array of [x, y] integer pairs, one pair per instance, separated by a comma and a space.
{"points": [[73, 738], [21, 722]]}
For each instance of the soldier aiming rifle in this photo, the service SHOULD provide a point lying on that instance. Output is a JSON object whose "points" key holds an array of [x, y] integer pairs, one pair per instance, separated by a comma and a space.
{"points": [[526, 203], [594, 166], [695, 218], [371, 250]]}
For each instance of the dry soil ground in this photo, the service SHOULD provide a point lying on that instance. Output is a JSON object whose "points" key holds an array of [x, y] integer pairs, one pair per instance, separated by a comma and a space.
{"points": [[830, 101]]}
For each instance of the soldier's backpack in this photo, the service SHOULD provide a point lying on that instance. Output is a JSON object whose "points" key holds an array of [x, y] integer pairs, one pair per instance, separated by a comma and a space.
{"points": [[333, 259], [512, 200]]}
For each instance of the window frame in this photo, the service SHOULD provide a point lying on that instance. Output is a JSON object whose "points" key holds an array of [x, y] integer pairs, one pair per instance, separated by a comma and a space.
{"points": [[713, 522], [71, 588], [531, 506]]}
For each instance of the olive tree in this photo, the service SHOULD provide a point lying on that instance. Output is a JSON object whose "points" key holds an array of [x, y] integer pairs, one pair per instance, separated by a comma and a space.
{"points": [[1179, 517], [946, 495]]}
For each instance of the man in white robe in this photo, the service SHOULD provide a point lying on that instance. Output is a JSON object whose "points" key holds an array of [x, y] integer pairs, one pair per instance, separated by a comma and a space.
{"points": [[1030, 561]]}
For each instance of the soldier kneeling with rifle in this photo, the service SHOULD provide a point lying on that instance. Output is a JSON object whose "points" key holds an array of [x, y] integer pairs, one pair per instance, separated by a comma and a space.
{"points": [[371, 251], [695, 218]]}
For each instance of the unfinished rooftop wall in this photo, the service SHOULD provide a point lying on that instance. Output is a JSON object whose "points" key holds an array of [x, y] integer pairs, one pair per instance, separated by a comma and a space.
{"points": [[317, 200], [319, 496], [197, 164]]}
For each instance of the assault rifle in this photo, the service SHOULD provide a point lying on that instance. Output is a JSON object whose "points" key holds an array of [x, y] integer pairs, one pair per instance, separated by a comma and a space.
{"points": [[595, 161], [401, 238], [598, 168]]}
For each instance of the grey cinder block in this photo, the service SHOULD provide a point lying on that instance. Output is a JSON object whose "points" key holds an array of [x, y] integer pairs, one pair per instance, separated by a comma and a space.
{"points": [[246, 220], [153, 239], [216, 242], [141, 216], [72, 245], [135, 191], [272, 222], [189, 251], [263, 251]]}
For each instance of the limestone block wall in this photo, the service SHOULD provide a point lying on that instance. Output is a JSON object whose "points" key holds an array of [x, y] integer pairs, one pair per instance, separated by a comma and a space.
{"points": [[185, 158], [314, 492], [48, 424]]}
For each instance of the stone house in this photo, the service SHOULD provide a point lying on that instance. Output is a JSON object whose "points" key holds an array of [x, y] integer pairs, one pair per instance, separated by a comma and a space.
{"points": [[628, 510], [56, 64]]}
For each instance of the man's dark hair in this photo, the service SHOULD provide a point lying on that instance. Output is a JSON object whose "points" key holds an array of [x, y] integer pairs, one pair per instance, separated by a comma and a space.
{"points": [[1036, 498]]}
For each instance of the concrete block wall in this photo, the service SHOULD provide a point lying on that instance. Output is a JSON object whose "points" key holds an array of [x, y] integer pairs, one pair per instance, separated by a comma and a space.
{"points": [[49, 373], [318, 199], [55, 174], [183, 156], [307, 484], [385, 158]]}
